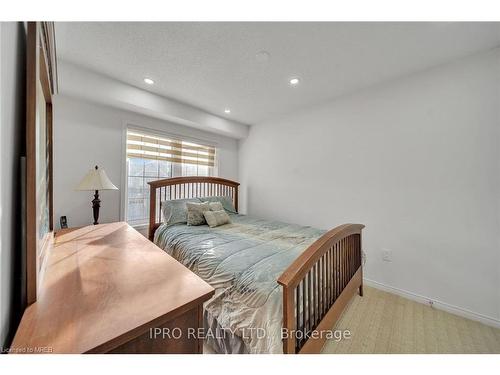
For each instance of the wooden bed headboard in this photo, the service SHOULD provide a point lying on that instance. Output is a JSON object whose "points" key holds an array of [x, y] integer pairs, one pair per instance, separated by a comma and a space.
{"points": [[183, 188]]}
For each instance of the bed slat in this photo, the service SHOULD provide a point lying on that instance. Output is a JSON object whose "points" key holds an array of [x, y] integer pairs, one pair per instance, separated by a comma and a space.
{"points": [[316, 280]]}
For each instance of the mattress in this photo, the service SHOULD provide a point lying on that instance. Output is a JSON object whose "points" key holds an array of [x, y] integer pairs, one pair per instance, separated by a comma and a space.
{"points": [[242, 261]]}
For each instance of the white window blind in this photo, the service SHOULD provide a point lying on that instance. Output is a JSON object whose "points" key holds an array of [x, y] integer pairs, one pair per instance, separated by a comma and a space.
{"points": [[146, 146], [151, 157]]}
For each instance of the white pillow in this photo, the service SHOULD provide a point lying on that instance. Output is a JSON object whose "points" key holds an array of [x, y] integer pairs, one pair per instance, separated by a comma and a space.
{"points": [[175, 211], [216, 218], [215, 206], [195, 213]]}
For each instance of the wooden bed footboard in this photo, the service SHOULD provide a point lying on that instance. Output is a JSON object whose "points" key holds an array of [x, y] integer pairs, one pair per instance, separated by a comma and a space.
{"points": [[317, 287]]}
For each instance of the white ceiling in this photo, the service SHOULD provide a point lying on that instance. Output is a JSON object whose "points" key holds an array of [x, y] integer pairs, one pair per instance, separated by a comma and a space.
{"points": [[213, 65]]}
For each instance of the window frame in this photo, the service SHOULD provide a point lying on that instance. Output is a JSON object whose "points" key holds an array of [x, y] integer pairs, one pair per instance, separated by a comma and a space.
{"points": [[176, 167]]}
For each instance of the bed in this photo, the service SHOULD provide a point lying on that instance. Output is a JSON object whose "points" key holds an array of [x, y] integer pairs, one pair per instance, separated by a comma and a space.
{"points": [[280, 287]]}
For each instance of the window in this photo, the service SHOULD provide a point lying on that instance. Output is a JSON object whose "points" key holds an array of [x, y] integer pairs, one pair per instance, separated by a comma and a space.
{"points": [[150, 157]]}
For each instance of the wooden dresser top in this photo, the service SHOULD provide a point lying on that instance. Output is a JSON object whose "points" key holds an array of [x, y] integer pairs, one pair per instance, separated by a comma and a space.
{"points": [[104, 285]]}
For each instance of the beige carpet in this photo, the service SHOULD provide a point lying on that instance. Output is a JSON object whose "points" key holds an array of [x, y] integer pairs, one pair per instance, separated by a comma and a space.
{"points": [[382, 322]]}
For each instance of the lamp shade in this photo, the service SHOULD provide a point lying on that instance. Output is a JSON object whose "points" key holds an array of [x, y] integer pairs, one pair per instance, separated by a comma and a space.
{"points": [[96, 179]]}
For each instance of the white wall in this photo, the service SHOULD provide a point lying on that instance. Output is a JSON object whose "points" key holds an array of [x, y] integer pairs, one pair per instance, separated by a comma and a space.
{"points": [[12, 124], [416, 160], [86, 134]]}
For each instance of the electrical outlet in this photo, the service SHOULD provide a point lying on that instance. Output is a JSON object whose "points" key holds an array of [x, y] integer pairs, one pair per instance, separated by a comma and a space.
{"points": [[387, 255]]}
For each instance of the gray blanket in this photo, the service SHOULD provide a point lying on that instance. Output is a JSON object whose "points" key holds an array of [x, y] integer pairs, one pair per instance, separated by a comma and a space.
{"points": [[242, 261]]}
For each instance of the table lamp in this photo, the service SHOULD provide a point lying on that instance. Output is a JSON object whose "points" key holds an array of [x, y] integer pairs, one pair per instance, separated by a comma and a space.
{"points": [[96, 179]]}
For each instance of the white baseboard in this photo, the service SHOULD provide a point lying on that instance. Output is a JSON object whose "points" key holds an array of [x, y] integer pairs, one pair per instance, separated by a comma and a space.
{"points": [[436, 304]]}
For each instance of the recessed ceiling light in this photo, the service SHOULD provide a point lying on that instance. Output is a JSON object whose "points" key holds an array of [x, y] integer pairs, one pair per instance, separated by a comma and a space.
{"points": [[149, 81], [294, 81], [227, 110]]}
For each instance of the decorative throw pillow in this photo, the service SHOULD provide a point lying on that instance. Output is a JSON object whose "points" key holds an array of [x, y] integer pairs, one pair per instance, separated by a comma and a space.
{"points": [[195, 213], [216, 218], [215, 206], [226, 201], [175, 211]]}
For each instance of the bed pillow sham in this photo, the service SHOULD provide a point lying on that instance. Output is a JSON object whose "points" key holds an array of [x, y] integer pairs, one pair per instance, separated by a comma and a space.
{"points": [[216, 218], [215, 206], [195, 212], [175, 211], [226, 202]]}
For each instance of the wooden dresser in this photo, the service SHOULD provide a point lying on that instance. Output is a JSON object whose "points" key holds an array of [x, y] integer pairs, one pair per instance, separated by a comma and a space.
{"points": [[107, 289]]}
